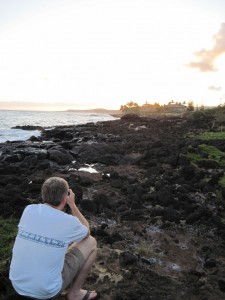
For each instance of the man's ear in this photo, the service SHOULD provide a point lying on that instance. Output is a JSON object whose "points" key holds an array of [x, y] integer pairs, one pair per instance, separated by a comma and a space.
{"points": [[63, 202]]}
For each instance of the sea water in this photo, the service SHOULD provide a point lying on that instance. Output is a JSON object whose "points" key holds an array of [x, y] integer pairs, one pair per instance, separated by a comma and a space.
{"points": [[12, 118]]}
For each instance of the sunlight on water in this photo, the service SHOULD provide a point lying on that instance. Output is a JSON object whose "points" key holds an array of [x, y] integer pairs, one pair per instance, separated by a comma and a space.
{"points": [[88, 169]]}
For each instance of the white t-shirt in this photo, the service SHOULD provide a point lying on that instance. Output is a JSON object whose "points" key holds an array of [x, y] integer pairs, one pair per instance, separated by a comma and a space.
{"points": [[39, 250]]}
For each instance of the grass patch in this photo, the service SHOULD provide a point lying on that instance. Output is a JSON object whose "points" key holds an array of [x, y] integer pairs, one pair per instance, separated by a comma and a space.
{"points": [[210, 136], [143, 249], [213, 153], [205, 152], [8, 231], [193, 157], [221, 182]]}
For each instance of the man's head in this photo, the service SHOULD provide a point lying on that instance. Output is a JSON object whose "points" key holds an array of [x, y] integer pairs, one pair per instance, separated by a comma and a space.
{"points": [[54, 190]]}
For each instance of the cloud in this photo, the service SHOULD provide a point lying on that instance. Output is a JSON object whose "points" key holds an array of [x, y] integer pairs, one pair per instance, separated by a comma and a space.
{"points": [[214, 88], [206, 58]]}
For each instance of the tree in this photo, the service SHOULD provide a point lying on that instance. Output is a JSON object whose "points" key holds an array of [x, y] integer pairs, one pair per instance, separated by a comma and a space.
{"points": [[130, 107], [190, 106], [158, 107]]}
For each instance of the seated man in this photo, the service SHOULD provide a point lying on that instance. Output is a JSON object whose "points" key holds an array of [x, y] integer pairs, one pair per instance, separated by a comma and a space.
{"points": [[43, 264]]}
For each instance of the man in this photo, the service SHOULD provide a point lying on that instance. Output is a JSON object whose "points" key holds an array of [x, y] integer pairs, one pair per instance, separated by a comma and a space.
{"points": [[43, 264]]}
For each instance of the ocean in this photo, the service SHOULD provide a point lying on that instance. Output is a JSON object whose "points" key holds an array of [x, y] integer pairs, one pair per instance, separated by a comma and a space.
{"points": [[12, 118]]}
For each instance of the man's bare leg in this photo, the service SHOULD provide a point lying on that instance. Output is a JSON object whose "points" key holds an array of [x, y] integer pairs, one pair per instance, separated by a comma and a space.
{"points": [[88, 247]]}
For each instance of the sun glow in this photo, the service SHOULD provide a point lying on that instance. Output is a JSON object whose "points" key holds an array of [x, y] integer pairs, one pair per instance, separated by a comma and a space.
{"points": [[106, 53]]}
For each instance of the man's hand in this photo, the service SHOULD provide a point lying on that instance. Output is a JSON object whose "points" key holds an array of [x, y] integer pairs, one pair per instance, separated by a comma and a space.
{"points": [[70, 198], [75, 210]]}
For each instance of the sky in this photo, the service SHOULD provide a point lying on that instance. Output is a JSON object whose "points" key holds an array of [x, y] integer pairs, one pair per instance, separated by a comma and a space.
{"points": [[84, 54]]}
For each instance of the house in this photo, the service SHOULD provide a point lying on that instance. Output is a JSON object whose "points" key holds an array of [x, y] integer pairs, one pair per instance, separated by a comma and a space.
{"points": [[175, 107], [148, 108]]}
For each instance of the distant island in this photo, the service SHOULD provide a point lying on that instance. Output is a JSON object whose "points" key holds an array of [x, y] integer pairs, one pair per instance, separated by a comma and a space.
{"points": [[97, 110]]}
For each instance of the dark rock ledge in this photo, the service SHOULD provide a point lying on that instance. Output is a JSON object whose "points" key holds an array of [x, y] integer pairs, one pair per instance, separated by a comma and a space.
{"points": [[159, 226]]}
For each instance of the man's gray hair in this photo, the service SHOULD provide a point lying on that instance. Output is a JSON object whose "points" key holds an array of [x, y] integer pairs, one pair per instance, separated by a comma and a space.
{"points": [[54, 190]]}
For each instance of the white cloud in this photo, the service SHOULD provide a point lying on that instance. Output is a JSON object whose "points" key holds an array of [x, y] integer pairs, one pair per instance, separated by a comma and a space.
{"points": [[206, 58]]}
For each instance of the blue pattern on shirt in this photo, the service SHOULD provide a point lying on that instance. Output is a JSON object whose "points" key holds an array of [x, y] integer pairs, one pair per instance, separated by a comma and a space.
{"points": [[41, 239]]}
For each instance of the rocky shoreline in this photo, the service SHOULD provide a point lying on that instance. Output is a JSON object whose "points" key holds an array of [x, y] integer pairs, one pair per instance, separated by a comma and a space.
{"points": [[157, 217]]}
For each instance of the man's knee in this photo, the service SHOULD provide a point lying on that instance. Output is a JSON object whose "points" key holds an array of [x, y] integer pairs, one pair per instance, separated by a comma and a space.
{"points": [[87, 246], [92, 243]]}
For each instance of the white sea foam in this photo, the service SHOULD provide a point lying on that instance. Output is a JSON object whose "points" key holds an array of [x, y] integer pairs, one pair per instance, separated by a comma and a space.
{"points": [[17, 134]]}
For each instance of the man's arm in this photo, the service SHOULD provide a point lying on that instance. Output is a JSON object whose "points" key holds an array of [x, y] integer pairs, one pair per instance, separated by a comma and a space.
{"points": [[75, 210]]}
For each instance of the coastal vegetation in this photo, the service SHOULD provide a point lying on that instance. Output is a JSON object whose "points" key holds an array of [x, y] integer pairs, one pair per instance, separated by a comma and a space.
{"points": [[209, 135], [206, 153], [8, 231], [215, 114], [156, 108]]}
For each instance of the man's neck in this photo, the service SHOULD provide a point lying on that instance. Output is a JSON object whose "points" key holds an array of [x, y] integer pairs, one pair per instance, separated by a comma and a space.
{"points": [[59, 207]]}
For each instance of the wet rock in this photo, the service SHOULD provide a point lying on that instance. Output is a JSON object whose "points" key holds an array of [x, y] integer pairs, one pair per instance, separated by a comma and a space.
{"points": [[134, 215], [29, 127], [221, 283], [31, 151], [128, 258], [164, 197], [13, 158], [30, 161], [208, 163], [130, 117], [35, 139], [88, 205], [99, 152], [198, 215], [188, 172], [168, 214], [60, 155], [210, 263]]}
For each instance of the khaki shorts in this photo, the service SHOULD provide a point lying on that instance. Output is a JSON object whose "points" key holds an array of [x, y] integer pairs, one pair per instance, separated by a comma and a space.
{"points": [[74, 260]]}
